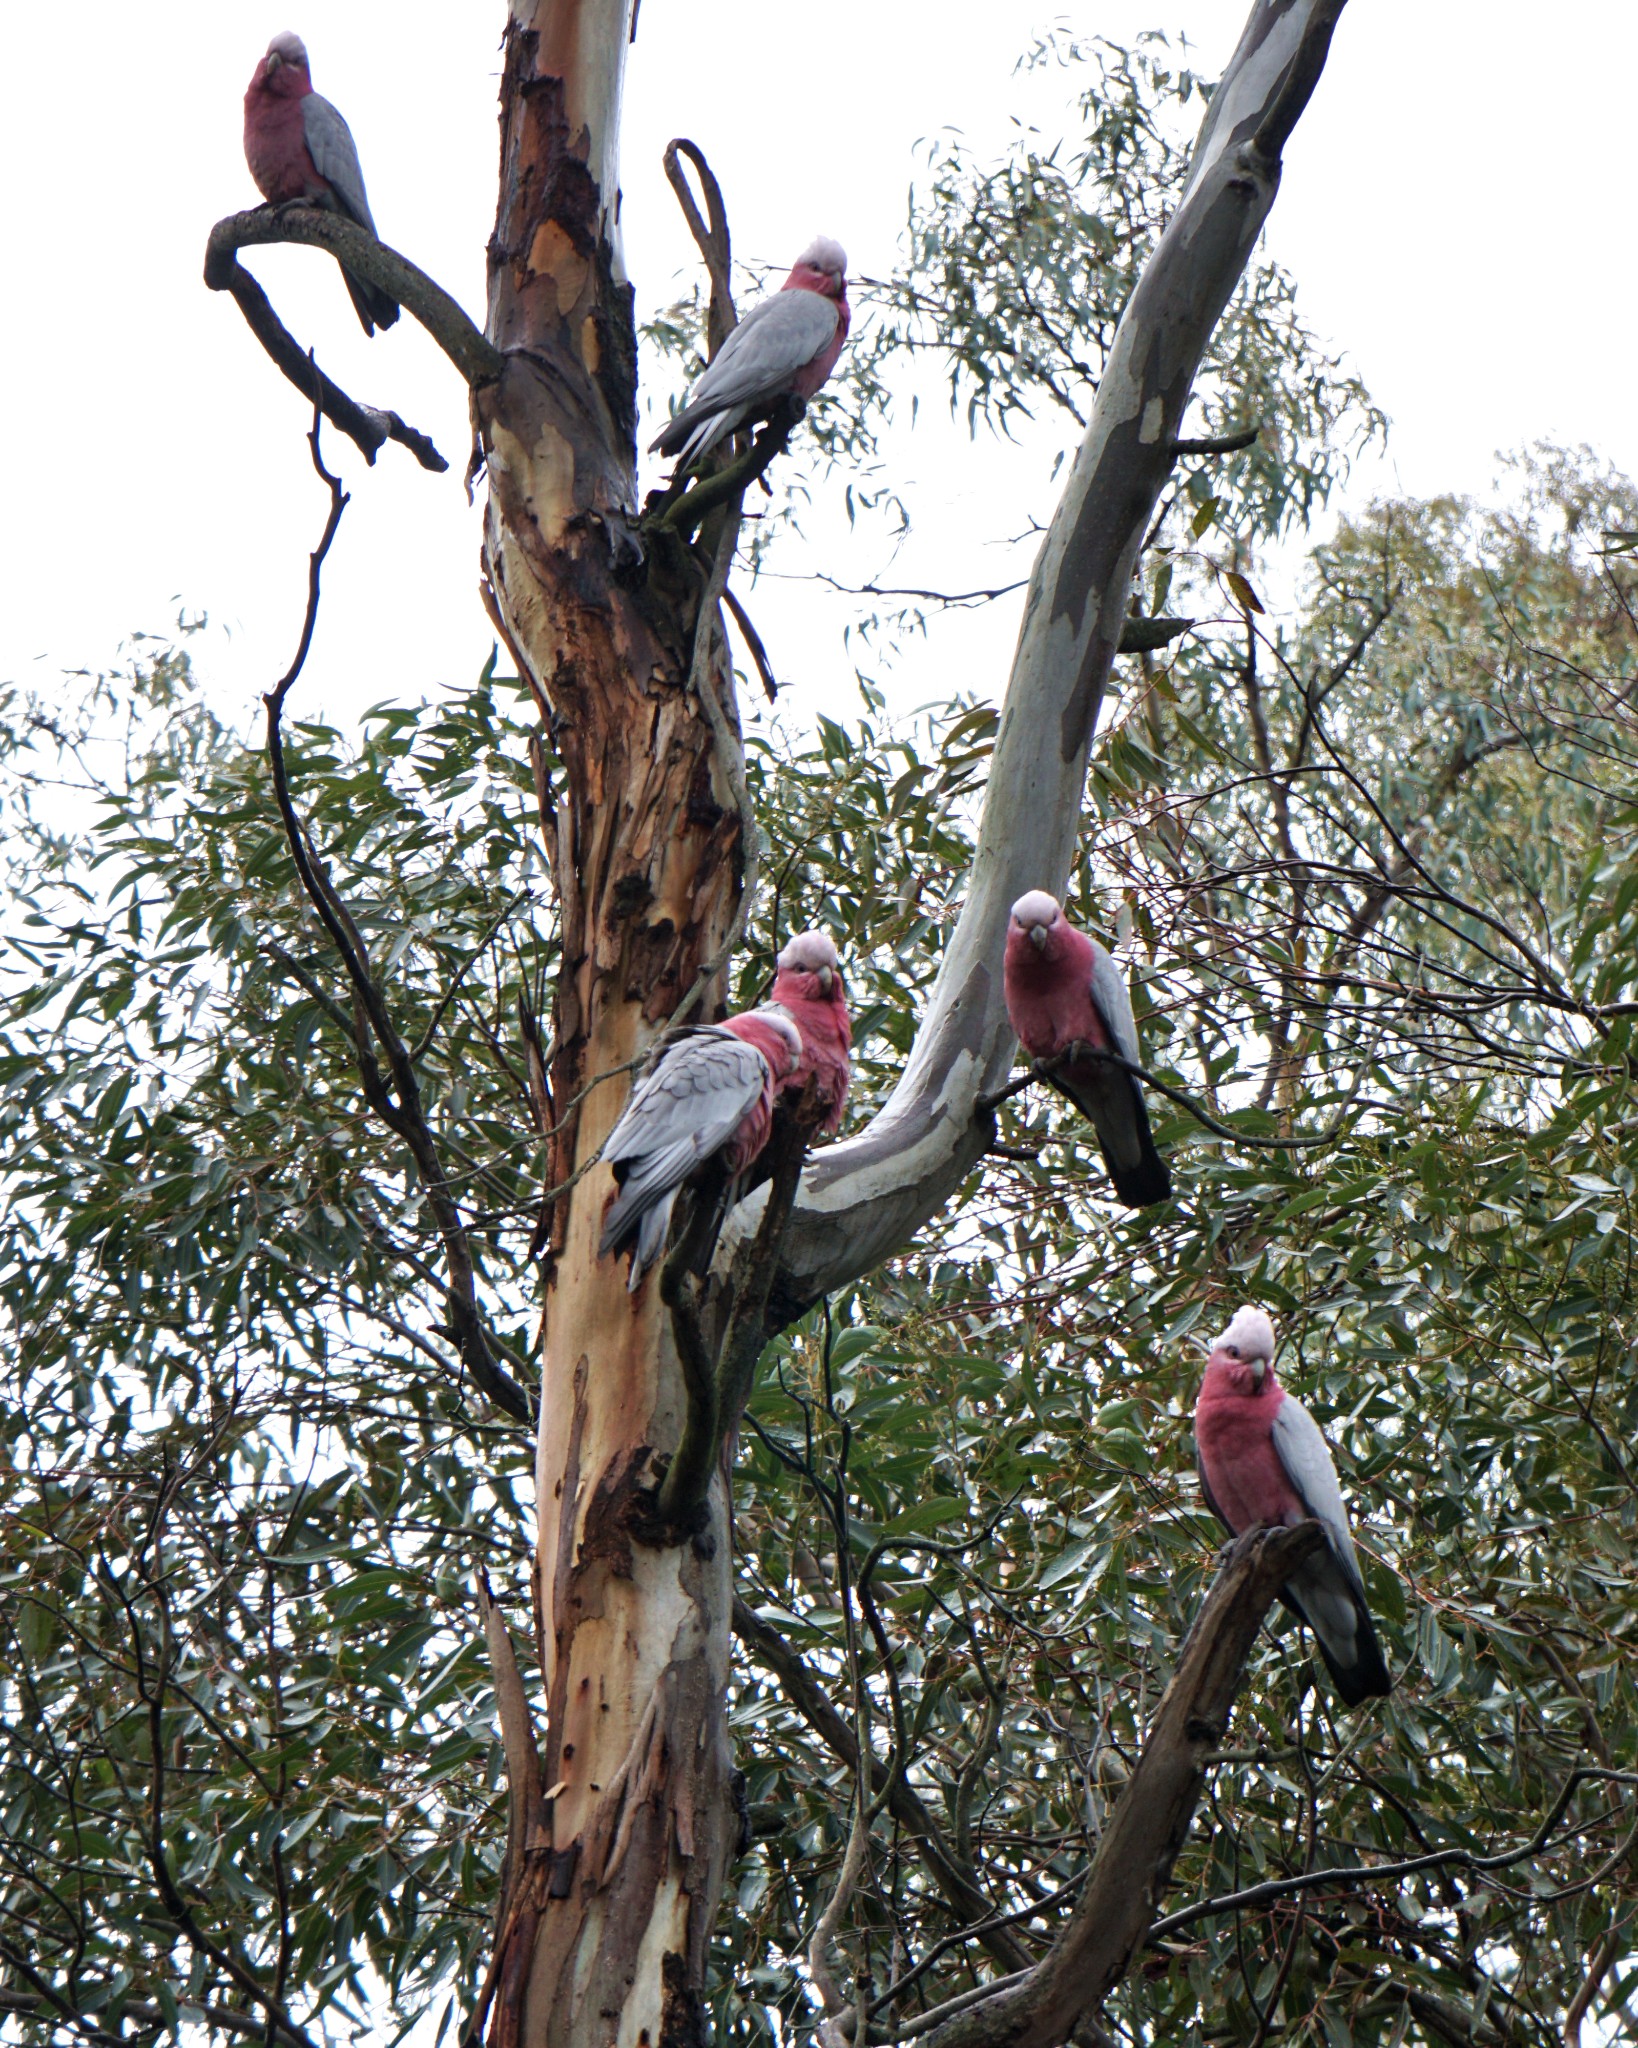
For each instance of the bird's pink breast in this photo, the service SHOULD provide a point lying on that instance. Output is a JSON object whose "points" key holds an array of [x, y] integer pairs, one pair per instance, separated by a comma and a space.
{"points": [[1233, 1433], [1049, 993], [827, 1039], [276, 147]]}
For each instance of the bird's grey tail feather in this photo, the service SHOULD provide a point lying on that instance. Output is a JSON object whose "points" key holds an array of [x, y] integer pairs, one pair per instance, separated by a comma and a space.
{"points": [[374, 307], [652, 1233], [1149, 1178], [1362, 1673]]}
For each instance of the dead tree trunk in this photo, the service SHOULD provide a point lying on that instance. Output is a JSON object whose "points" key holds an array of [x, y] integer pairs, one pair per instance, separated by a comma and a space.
{"points": [[626, 1834]]}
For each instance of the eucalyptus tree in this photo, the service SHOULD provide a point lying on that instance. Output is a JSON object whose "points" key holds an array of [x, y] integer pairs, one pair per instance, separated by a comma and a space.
{"points": [[311, 1051]]}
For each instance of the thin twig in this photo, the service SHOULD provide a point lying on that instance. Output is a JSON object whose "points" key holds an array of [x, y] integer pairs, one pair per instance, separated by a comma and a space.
{"points": [[400, 1108], [1390, 1873], [1045, 1070]]}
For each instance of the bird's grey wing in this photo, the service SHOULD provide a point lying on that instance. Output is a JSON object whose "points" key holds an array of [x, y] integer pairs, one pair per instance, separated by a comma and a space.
{"points": [[1306, 1456], [1112, 1100], [335, 157], [1113, 1002], [762, 354], [688, 1108], [1326, 1590]]}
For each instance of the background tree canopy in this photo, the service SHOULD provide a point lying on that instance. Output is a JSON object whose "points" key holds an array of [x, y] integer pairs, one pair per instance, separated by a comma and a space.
{"points": [[1371, 862]]}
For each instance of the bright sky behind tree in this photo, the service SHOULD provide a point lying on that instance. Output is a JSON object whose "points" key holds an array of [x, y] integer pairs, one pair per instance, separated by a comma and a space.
{"points": [[1453, 210]]}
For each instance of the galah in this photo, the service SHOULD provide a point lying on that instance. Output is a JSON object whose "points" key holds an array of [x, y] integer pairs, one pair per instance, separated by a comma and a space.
{"points": [[1067, 1001], [1262, 1459], [710, 1098], [785, 347], [808, 988], [299, 147]]}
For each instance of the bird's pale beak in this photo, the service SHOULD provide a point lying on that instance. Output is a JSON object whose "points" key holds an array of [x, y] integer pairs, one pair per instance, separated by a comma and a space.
{"points": [[1038, 936], [827, 977], [1259, 1366], [274, 60]]}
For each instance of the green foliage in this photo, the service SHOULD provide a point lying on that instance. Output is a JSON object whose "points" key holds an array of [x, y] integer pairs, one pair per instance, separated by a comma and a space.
{"points": [[1376, 884], [246, 1492]]}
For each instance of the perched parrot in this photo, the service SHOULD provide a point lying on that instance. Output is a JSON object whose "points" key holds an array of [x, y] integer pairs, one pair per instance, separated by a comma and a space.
{"points": [[299, 147], [785, 347], [711, 1097], [808, 988], [1262, 1459], [1064, 992]]}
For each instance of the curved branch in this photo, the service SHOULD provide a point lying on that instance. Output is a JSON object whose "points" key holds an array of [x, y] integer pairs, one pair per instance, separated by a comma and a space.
{"points": [[367, 426], [467, 347], [710, 234], [372, 1022], [862, 1199]]}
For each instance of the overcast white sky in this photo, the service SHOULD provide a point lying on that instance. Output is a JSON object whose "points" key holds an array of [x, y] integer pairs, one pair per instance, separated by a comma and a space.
{"points": [[1454, 207]]}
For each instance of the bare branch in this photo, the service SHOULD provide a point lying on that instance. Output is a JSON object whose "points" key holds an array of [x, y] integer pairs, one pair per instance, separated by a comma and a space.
{"points": [[681, 515], [1219, 444], [476, 358], [400, 1108], [710, 235], [862, 1199]]}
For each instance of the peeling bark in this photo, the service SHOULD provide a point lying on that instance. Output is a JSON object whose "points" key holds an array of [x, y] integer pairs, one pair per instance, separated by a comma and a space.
{"points": [[625, 1844], [606, 1936], [863, 1199]]}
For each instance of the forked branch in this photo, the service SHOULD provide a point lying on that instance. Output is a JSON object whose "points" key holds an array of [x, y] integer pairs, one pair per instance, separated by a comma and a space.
{"points": [[861, 1200], [368, 427]]}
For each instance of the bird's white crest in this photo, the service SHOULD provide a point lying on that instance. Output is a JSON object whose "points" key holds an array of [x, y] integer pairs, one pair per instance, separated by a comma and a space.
{"points": [[809, 953], [1037, 907], [824, 254], [289, 48], [1251, 1333]]}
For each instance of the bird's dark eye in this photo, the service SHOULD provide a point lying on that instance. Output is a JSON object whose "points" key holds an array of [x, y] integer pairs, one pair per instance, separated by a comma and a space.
{"points": [[1233, 1350]]}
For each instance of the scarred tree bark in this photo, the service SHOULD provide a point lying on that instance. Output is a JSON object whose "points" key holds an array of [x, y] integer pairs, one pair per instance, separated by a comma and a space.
{"points": [[624, 1837], [624, 1860]]}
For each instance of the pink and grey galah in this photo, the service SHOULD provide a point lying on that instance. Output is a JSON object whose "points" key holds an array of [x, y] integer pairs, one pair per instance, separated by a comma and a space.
{"points": [[1068, 1001], [712, 1095], [299, 148], [808, 988], [1262, 1459], [785, 347]]}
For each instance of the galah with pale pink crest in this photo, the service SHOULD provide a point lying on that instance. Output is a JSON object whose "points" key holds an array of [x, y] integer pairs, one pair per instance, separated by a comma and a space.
{"points": [[785, 347], [299, 147], [1068, 1001], [808, 988], [1262, 1459], [709, 1098]]}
